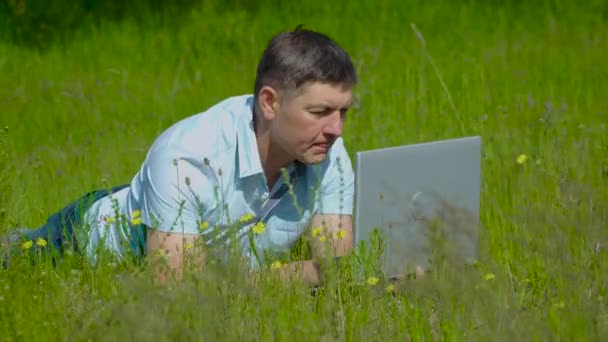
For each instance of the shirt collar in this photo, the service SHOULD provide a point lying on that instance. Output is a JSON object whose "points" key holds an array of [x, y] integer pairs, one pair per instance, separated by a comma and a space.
{"points": [[247, 147]]}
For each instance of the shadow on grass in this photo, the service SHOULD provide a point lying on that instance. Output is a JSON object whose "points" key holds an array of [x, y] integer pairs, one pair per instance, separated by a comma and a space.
{"points": [[38, 24]]}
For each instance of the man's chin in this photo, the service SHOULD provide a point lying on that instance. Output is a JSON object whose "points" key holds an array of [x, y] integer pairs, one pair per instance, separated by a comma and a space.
{"points": [[313, 159]]}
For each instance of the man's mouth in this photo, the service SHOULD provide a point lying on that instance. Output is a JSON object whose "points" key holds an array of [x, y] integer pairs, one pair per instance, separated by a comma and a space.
{"points": [[323, 147]]}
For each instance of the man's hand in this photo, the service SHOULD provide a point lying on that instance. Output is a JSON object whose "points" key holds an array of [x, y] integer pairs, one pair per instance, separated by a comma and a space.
{"points": [[306, 270], [419, 272], [331, 236]]}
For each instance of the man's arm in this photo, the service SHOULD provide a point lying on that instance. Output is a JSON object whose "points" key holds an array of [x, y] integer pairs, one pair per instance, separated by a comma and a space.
{"points": [[175, 194], [170, 251]]}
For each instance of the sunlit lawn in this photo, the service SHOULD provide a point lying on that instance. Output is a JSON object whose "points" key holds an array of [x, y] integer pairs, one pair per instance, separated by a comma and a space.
{"points": [[530, 79]]}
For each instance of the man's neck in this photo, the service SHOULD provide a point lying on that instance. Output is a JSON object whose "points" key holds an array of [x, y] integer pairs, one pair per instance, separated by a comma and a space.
{"points": [[272, 157]]}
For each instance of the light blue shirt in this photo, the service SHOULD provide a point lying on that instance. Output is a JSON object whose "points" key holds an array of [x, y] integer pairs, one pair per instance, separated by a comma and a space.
{"points": [[203, 175]]}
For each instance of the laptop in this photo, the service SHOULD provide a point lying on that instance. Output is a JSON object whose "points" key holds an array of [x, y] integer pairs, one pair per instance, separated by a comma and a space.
{"points": [[417, 201]]}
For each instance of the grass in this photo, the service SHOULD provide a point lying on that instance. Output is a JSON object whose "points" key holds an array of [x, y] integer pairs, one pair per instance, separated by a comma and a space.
{"points": [[530, 78]]}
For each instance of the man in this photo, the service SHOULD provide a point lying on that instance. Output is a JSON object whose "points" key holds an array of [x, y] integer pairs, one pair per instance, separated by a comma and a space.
{"points": [[257, 170]]}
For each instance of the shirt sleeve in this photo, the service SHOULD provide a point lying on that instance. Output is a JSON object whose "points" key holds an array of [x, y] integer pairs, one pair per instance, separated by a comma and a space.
{"points": [[336, 195], [177, 194]]}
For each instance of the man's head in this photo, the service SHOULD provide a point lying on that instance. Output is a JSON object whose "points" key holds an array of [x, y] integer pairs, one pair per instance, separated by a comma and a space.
{"points": [[303, 87]]}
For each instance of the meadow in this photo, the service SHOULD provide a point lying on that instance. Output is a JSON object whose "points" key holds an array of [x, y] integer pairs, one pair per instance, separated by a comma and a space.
{"points": [[79, 107]]}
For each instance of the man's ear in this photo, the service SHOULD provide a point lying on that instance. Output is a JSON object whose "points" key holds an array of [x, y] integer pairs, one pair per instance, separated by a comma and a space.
{"points": [[269, 102]]}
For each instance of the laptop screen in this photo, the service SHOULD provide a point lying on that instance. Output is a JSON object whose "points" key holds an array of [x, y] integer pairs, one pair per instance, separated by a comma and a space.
{"points": [[416, 196]]}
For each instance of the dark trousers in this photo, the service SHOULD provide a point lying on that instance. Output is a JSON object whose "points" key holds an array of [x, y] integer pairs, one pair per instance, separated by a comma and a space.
{"points": [[59, 229]]}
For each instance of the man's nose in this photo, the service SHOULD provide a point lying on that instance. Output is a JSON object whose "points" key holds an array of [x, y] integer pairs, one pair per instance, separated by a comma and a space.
{"points": [[335, 124]]}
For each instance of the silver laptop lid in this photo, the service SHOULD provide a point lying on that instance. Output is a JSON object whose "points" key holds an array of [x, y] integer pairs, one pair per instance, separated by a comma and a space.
{"points": [[404, 191]]}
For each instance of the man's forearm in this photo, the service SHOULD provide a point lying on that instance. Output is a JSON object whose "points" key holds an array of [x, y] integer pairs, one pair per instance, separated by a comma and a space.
{"points": [[172, 252]]}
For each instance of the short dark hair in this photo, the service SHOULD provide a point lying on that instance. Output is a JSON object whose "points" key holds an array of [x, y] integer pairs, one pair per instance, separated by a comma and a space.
{"points": [[294, 58]]}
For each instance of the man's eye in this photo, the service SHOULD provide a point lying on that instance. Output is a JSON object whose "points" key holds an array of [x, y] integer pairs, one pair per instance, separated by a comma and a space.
{"points": [[327, 111]]}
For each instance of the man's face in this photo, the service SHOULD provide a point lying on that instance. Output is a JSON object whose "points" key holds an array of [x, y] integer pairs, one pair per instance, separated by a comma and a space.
{"points": [[308, 122]]}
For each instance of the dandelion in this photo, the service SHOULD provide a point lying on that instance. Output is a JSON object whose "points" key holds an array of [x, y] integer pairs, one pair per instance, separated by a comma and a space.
{"points": [[390, 288], [340, 234], [27, 244], [372, 281], [246, 218], [258, 228], [316, 231], [41, 242], [110, 219], [188, 246], [322, 238], [489, 276], [203, 225], [276, 265], [521, 159]]}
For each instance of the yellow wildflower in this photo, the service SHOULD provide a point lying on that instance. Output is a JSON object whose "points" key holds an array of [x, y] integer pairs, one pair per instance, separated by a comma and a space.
{"points": [[27, 244], [259, 227], [188, 246], [136, 217], [521, 159], [322, 238], [372, 281], [489, 276], [41, 242], [340, 234], [276, 265], [203, 225], [161, 253], [316, 231], [390, 288], [110, 219], [560, 305], [246, 218]]}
